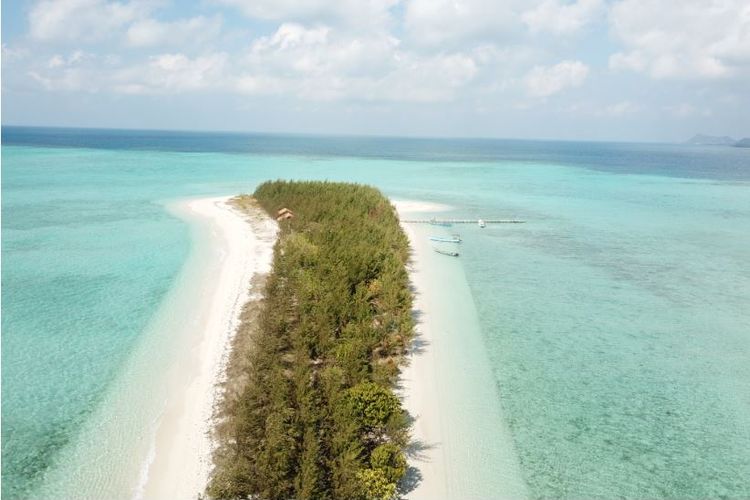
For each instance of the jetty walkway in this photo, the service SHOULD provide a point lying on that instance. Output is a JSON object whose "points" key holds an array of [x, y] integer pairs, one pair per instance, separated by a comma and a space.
{"points": [[463, 221]]}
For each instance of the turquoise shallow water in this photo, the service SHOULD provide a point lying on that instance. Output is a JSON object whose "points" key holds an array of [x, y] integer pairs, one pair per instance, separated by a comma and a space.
{"points": [[615, 321], [617, 325]]}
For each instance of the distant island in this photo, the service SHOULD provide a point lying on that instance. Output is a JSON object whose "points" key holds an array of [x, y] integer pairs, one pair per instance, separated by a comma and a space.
{"points": [[715, 140]]}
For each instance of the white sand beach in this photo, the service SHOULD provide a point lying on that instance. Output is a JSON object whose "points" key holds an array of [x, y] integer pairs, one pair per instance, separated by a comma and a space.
{"points": [[407, 207], [241, 247], [447, 387], [420, 393]]}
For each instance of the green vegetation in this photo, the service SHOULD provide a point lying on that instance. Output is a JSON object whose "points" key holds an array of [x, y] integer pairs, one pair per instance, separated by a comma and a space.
{"points": [[315, 415]]}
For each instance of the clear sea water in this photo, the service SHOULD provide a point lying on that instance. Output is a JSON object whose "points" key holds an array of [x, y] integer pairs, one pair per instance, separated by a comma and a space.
{"points": [[613, 327]]}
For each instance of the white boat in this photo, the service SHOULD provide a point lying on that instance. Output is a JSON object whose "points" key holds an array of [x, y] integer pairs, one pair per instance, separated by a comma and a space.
{"points": [[453, 239], [482, 223], [446, 252]]}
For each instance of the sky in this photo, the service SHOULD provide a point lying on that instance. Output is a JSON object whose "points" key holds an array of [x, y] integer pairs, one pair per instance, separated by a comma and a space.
{"points": [[630, 70]]}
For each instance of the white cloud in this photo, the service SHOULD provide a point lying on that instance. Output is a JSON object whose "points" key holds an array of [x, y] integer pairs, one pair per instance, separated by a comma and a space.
{"points": [[77, 71], [58, 61], [251, 84], [685, 39], [356, 13], [493, 55], [633, 61], [69, 80], [10, 54], [316, 63], [455, 22], [294, 50], [430, 79], [290, 36], [173, 73], [87, 21], [622, 108], [82, 20], [195, 30], [544, 81], [562, 18], [320, 63]]}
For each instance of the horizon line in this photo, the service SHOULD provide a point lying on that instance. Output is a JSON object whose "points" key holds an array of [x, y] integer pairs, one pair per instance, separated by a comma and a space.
{"points": [[340, 134]]}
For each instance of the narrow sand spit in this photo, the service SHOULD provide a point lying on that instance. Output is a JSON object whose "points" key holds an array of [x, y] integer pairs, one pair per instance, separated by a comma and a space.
{"points": [[420, 394], [241, 246], [460, 446]]}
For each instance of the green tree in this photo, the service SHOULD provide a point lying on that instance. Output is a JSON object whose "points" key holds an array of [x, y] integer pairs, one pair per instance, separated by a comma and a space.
{"points": [[375, 485], [389, 458], [373, 406]]}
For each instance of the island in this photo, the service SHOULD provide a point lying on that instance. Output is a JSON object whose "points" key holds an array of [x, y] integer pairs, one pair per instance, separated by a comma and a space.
{"points": [[714, 140], [309, 408], [710, 140]]}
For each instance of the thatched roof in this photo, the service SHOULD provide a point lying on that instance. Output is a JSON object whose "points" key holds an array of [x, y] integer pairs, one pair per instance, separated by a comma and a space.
{"points": [[284, 214]]}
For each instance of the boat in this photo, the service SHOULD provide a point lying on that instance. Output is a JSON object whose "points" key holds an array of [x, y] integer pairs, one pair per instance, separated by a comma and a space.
{"points": [[446, 252], [435, 222], [453, 239], [482, 223]]}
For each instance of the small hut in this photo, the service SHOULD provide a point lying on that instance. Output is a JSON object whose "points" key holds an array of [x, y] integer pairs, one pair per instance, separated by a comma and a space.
{"points": [[284, 214]]}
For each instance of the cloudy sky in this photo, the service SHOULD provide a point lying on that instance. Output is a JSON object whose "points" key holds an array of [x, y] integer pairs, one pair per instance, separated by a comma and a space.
{"points": [[566, 69]]}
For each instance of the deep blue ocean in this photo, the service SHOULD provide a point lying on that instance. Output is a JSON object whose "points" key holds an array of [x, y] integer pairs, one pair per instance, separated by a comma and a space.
{"points": [[615, 321]]}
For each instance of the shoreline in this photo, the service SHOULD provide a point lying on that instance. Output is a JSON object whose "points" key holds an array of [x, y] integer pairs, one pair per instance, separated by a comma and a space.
{"points": [[460, 442], [420, 397], [180, 459]]}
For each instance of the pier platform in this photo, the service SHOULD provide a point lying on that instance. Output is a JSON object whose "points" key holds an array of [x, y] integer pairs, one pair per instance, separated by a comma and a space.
{"points": [[462, 221]]}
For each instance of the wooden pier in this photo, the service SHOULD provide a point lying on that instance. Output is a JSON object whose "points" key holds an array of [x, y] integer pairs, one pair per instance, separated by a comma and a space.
{"points": [[462, 221]]}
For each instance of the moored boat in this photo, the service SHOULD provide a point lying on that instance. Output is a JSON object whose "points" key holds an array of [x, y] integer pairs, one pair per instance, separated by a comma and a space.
{"points": [[450, 253], [443, 239]]}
